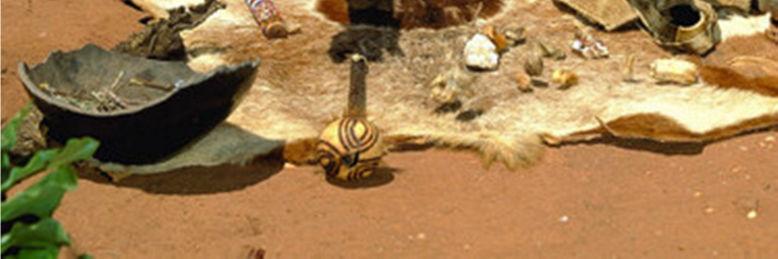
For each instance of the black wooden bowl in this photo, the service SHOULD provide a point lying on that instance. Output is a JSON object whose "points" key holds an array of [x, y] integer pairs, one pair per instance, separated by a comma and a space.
{"points": [[141, 110]]}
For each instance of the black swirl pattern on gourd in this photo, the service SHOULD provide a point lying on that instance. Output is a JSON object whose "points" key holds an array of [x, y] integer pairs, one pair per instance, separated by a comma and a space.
{"points": [[353, 142], [329, 159]]}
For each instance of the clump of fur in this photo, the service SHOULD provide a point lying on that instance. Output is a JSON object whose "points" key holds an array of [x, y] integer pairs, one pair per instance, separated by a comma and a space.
{"points": [[368, 41], [160, 39], [746, 63], [412, 14], [334, 10], [513, 152], [729, 78], [438, 14]]}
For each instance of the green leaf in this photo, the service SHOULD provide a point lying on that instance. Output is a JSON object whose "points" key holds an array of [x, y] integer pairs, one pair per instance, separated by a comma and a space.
{"points": [[6, 164], [45, 233], [50, 252], [63, 176], [85, 256], [37, 163], [41, 198], [76, 150], [10, 129]]}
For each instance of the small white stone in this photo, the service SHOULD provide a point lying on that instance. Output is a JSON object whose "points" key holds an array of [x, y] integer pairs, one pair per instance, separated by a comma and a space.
{"points": [[769, 139], [421, 236], [751, 214], [481, 53], [564, 219]]}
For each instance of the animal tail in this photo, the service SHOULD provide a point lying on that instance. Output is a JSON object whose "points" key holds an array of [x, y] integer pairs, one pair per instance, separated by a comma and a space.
{"points": [[357, 92]]}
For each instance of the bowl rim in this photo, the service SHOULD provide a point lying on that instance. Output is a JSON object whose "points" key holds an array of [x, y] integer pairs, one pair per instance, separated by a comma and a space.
{"points": [[34, 90]]}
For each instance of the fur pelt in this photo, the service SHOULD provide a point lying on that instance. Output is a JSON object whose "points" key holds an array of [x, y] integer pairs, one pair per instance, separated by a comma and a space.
{"points": [[299, 89]]}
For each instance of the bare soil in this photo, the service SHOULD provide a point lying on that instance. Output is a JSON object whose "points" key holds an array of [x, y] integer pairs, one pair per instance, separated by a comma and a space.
{"points": [[609, 198]]}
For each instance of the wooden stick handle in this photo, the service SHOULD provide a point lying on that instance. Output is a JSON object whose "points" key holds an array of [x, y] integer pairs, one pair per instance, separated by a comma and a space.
{"points": [[357, 92]]}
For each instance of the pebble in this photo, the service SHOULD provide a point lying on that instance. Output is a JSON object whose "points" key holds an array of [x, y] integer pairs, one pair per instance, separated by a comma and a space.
{"points": [[564, 78], [564, 219], [481, 53], [751, 214], [674, 71], [709, 210], [769, 139], [523, 82], [451, 85], [533, 65], [550, 51], [421, 236], [515, 34]]}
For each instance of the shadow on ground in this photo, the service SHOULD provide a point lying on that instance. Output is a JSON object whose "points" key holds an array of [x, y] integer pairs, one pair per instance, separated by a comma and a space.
{"points": [[199, 180], [666, 148], [382, 176]]}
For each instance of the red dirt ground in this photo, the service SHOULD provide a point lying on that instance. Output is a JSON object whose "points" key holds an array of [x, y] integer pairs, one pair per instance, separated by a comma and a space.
{"points": [[606, 199]]}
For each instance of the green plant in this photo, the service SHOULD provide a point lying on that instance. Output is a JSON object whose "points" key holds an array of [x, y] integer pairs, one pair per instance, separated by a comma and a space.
{"points": [[28, 230]]}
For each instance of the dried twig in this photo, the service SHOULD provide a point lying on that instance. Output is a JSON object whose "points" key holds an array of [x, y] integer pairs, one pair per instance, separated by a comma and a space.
{"points": [[116, 81], [141, 82]]}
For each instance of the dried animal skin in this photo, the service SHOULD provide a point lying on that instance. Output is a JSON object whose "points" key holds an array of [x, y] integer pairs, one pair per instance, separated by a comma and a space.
{"points": [[675, 71], [405, 118], [772, 33], [751, 73]]}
